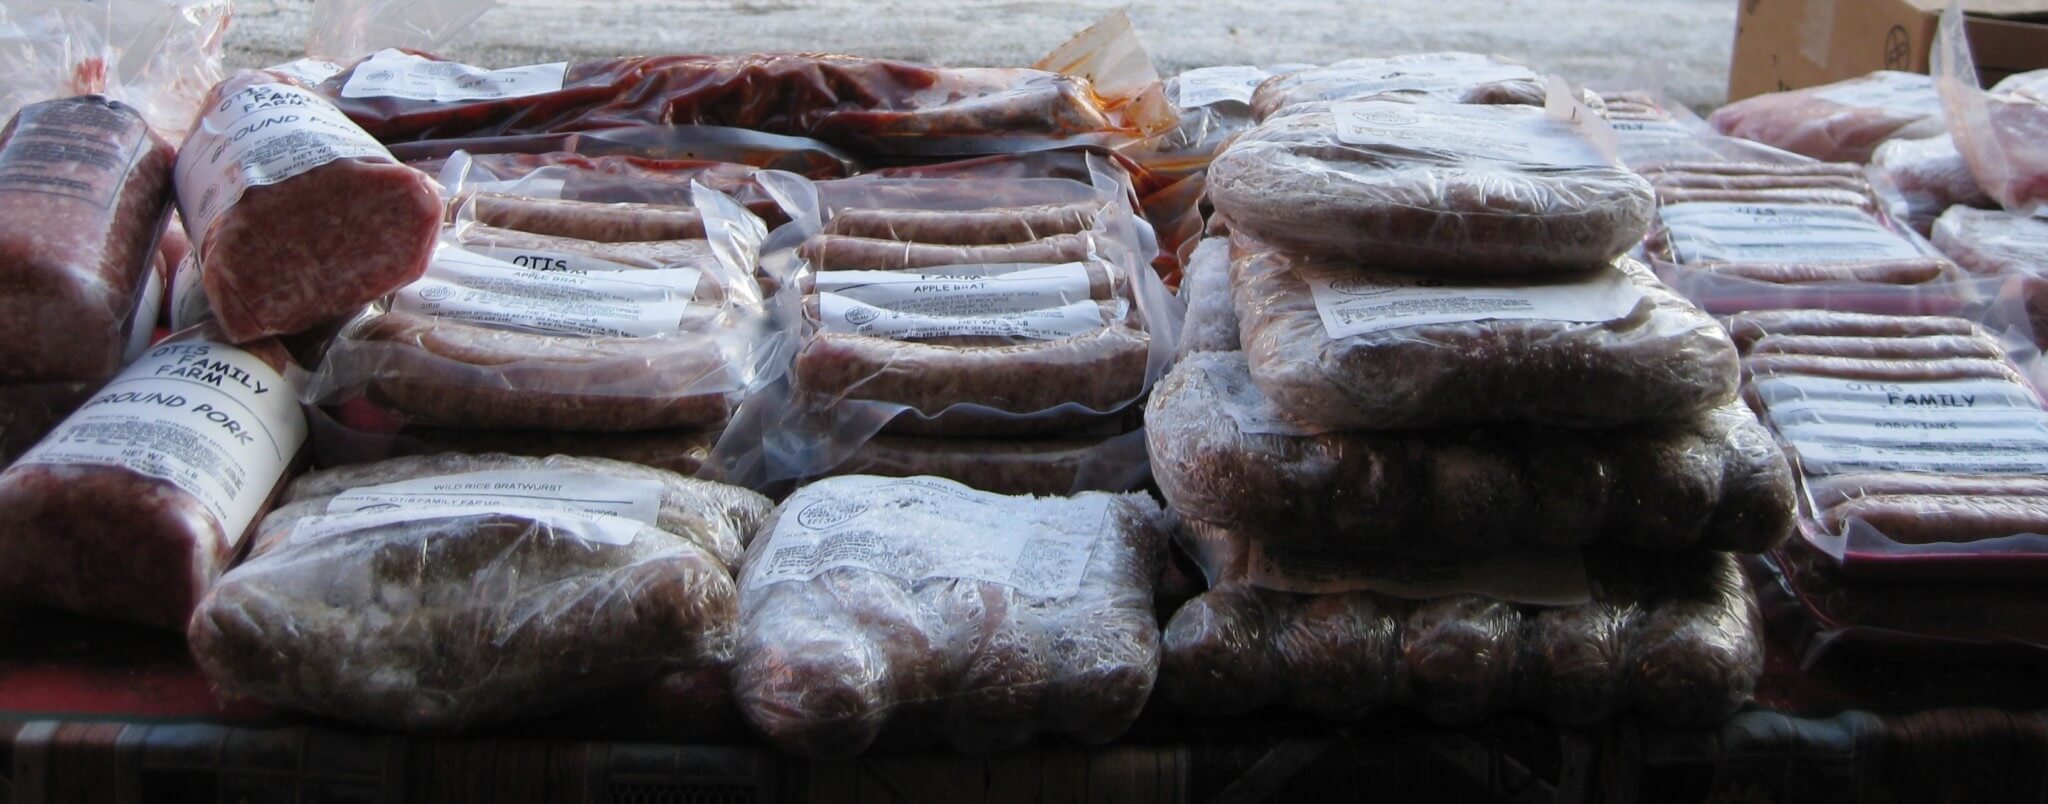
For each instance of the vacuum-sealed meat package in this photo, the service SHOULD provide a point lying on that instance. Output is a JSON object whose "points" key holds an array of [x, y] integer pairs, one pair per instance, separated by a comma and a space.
{"points": [[1918, 440], [1448, 76], [444, 592], [297, 217], [84, 189], [1223, 453], [1339, 347], [1676, 638], [1993, 242], [1780, 243], [1840, 122], [554, 339], [1211, 322], [1999, 132], [917, 607], [1909, 617], [1931, 175], [135, 503], [866, 105], [1435, 188]]}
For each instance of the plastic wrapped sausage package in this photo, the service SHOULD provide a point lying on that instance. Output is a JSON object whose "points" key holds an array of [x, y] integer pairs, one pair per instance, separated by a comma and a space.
{"points": [[84, 189], [1436, 188], [297, 217], [1931, 175], [133, 505], [914, 609], [1673, 637], [358, 431], [449, 591], [520, 331], [1919, 440], [640, 145], [1447, 76], [1339, 347], [1820, 610], [2001, 133], [1223, 453], [1841, 122]]}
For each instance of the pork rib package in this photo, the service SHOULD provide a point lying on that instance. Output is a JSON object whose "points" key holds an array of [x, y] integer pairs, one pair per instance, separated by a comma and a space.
{"points": [[1342, 347], [297, 217], [1675, 637], [135, 503], [448, 591], [519, 330], [1841, 122], [85, 186], [918, 608], [1435, 188], [869, 106], [1919, 441], [1448, 76], [1222, 453]]}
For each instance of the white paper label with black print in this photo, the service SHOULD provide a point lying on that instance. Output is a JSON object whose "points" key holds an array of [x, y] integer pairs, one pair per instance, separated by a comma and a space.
{"points": [[848, 316], [593, 507], [397, 74], [920, 528], [961, 294], [1362, 302], [1205, 86], [214, 421], [259, 135], [309, 70], [1779, 233], [463, 286], [1952, 426]]}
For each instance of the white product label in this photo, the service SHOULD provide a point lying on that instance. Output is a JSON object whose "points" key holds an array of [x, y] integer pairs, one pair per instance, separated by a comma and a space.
{"points": [[926, 527], [1362, 302], [208, 418], [1212, 85], [847, 316], [535, 259], [1521, 135], [526, 187], [598, 508], [1785, 394], [462, 286], [1891, 90], [262, 134], [1245, 404], [934, 292], [1516, 573], [1779, 233], [1650, 129], [397, 74], [308, 70], [1959, 426]]}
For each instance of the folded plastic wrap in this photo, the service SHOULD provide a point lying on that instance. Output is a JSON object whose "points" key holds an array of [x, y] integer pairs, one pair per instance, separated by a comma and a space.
{"points": [[297, 217], [1449, 76], [1214, 104], [1222, 453], [1840, 122], [1821, 610], [1211, 322], [1341, 348], [2002, 133], [158, 57], [1435, 188], [444, 592], [553, 339], [85, 186], [865, 105], [1931, 175], [132, 506], [1047, 466], [639, 145], [1675, 638], [1918, 439], [917, 608]]}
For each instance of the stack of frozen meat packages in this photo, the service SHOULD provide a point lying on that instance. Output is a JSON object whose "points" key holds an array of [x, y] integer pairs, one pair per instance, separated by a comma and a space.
{"points": [[1470, 458]]}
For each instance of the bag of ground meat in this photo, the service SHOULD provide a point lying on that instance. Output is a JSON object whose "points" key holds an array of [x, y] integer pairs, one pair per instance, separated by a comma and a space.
{"points": [[297, 217], [133, 505], [1342, 347], [447, 591], [1436, 188], [1931, 175], [1841, 122], [919, 608], [1675, 638], [1223, 453]]}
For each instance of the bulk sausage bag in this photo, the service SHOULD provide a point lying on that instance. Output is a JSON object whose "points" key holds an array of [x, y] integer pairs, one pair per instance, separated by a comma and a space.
{"points": [[133, 505], [297, 217], [1840, 122], [445, 591], [1674, 637], [1340, 346], [84, 189], [920, 608], [1223, 453], [1435, 188]]}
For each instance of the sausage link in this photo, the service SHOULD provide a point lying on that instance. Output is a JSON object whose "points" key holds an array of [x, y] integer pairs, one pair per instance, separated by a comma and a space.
{"points": [[1759, 168], [1747, 328], [1927, 347], [1830, 197], [1829, 492], [843, 253], [1888, 272], [1849, 368], [584, 220], [1722, 181], [1101, 370], [1932, 518], [964, 227]]}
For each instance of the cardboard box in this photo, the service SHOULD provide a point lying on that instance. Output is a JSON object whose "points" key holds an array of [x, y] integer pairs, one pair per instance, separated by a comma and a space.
{"points": [[1793, 44]]}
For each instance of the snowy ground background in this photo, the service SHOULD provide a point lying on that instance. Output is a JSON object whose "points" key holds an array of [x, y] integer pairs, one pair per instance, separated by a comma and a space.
{"points": [[1680, 46]]}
